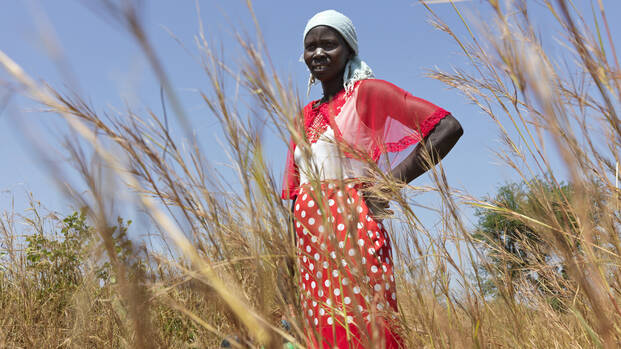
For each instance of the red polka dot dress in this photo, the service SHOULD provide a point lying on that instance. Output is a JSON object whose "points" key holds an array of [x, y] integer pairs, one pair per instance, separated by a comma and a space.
{"points": [[346, 275], [347, 285]]}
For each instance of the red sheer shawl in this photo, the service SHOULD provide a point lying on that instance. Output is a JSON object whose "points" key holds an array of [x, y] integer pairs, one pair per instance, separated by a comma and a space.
{"points": [[375, 118]]}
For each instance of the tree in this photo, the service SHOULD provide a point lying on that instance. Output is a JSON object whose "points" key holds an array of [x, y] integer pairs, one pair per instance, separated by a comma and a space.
{"points": [[515, 249]]}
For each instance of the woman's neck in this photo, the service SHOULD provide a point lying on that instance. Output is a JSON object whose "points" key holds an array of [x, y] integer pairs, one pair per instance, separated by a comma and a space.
{"points": [[331, 88]]}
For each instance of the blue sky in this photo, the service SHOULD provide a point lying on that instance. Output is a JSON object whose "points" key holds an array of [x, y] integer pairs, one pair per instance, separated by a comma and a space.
{"points": [[110, 71]]}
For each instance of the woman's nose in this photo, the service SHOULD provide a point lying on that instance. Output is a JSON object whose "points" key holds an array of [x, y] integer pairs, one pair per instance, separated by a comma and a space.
{"points": [[319, 51]]}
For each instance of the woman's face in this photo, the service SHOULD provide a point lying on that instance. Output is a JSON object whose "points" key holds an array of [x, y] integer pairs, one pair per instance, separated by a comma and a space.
{"points": [[326, 53]]}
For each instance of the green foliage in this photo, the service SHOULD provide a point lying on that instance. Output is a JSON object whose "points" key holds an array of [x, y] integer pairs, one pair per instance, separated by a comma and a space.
{"points": [[57, 261], [517, 249]]}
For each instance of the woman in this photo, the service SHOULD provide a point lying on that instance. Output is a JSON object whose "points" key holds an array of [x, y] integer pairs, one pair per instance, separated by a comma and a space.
{"points": [[347, 285]]}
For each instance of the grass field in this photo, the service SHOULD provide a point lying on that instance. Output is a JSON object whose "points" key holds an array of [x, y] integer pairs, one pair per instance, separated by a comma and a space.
{"points": [[80, 281]]}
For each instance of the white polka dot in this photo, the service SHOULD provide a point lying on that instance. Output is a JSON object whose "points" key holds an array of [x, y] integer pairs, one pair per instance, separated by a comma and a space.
{"points": [[340, 227], [304, 259], [350, 201], [311, 203], [314, 239], [370, 234], [356, 289], [323, 246], [347, 300], [359, 209], [360, 225], [374, 269], [384, 268], [316, 256], [313, 284], [303, 214], [316, 322], [319, 275], [392, 278], [380, 306], [351, 252], [393, 296], [327, 283], [306, 276], [377, 287], [339, 210], [350, 186], [333, 255], [341, 244], [337, 292], [311, 221], [364, 260], [331, 185], [350, 319], [308, 249], [360, 308], [304, 197], [297, 224], [369, 219], [345, 281], [321, 229], [305, 232], [320, 293], [339, 193], [310, 312], [329, 302], [335, 273], [343, 262], [360, 242], [331, 202], [330, 321], [297, 207], [371, 250], [325, 265], [311, 266], [322, 312], [387, 286]]}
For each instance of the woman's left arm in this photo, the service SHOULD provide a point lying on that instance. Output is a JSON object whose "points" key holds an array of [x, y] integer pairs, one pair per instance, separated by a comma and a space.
{"points": [[436, 144]]}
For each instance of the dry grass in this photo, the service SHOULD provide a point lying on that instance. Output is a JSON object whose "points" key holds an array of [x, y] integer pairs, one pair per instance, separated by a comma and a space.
{"points": [[229, 238]]}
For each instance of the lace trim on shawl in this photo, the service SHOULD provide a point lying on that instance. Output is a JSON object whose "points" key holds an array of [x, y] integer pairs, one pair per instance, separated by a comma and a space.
{"points": [[407, 141], [318, 118]]}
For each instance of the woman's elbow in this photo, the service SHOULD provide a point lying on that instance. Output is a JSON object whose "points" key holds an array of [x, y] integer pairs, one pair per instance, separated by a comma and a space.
{"points": [[453, 127]]}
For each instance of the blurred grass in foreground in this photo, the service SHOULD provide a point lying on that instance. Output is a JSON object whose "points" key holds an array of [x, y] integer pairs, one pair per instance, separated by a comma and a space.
{"points": [[229, 266]]}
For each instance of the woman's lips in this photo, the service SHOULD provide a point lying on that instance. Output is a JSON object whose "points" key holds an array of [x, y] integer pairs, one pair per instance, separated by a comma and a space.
{"points": [[320, 67]]}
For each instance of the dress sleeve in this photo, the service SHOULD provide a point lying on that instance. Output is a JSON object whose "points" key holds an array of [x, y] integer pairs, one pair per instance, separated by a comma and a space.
{"points": [[396, 118], [291, 178]]}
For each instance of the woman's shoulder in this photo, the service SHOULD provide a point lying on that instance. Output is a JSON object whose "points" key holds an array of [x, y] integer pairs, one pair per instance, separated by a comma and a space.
{"points": [[378, 88]]}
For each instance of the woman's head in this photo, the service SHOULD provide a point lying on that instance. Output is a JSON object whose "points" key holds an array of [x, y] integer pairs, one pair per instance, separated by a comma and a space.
{"points": [[331, 49], [337, 21], [326, 53]]}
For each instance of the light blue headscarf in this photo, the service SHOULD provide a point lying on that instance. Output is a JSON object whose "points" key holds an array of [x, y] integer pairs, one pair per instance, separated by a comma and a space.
{"points": [[356, 69]]}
